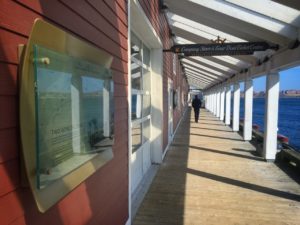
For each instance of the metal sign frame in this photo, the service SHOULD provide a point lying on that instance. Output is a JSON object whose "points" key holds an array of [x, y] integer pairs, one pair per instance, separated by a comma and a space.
{"points": [[240, 48]]}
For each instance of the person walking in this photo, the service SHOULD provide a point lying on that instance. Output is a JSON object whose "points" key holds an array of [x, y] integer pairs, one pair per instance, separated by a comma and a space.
{"points": [[196, 104]]}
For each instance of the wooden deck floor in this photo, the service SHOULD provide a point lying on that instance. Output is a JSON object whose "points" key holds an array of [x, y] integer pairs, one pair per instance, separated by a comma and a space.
{"points": [[211, 176]]}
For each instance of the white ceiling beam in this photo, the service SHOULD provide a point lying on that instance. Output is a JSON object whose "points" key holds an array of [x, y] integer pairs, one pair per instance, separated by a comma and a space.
{"points": [[188, 73], [195, 82], [250, 17], [271, 9], [206, 67], [202, 72], [202, 76], [280, 61], [190, 77], [200, 29], [227, 23], [224, 62], [290, 3], [211, 64]]}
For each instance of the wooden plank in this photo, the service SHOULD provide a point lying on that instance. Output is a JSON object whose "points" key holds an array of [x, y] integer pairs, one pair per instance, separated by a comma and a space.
{"points": [[210, 175], [9, 175], [117, 10], [8, 79], [123, 5], [96, 19], [8, 112], [120, 78], [9, 46], [9, 144], [10, 208], [121, 103], [120, 90], [19, 221], [103, 8], [56, 11]]}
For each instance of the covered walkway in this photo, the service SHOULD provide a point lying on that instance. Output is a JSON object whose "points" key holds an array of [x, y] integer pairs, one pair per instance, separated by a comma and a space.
{"points": [[211, 176]]}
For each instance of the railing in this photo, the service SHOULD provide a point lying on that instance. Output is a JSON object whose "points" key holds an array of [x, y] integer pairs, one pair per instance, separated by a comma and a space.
{"points": [[285, 152]]}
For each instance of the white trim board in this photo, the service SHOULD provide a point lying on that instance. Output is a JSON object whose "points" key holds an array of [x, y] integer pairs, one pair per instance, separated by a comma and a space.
{"points": [[168, 146]]}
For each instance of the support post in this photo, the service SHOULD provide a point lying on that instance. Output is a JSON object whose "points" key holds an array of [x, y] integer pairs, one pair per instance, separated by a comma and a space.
{"points": [[218, 103], [236, 106], [271, 116], [222, 103], [208, 102], [215, 103], [248, 108], [211, 102], [228, 105]]}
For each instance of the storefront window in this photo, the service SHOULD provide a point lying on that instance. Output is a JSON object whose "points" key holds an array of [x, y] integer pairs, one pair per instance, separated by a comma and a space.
{"points": [[140, 92]]}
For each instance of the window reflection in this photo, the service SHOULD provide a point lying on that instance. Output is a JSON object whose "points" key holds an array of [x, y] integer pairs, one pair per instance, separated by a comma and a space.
{"points": [[136, 134], [136, 106], [146, 105], [146, 56], [146, 130], [136, 76]]}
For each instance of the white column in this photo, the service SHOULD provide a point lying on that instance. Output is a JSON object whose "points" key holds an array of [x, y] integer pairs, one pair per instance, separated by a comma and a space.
{"points": [[208, 101], [248, 110], [106, 106], [214, 103], [228, 105], [236, 106], [217, 102], [211, 102], [222, 103], [271, 116]]}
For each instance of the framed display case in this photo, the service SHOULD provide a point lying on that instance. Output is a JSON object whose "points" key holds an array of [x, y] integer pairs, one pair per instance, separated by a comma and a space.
{"points": [[66, 112]]}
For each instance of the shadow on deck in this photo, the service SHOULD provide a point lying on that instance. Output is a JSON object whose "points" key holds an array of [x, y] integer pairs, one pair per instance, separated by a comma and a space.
{"points": [[211, 176]]}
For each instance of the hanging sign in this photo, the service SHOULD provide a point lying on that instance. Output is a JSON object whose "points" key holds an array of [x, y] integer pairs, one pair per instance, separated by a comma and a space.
{"points": [[242, 48]]}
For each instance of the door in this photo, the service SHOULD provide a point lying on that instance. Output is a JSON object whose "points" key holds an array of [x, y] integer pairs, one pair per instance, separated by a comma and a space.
{"points": [[170, 113], [140, 111]]}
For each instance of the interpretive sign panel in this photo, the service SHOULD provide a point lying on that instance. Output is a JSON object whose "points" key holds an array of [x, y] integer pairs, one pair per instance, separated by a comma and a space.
{"points": [[66, 112], [74, 114], [242, 48]]}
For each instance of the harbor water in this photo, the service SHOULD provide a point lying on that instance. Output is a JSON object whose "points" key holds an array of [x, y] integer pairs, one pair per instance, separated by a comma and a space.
{"points": [[288, 118]]}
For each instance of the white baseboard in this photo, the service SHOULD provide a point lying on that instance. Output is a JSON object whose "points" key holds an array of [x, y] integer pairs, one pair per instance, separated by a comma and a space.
{"points": [[168, 146], [128, 222]]}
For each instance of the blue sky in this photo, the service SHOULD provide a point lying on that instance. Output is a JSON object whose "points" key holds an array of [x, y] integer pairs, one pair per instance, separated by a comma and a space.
{"points": [[289, 79]]}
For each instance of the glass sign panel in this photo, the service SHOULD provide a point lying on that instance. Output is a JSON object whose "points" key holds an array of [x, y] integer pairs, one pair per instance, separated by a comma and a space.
{"points": [[74, 113]]}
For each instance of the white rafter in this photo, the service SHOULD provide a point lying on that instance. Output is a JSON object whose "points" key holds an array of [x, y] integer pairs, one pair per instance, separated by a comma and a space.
{"points": [[201, 21], [200, 29], [267, 7], [202, 72], [225, 17], [249, 16], [205, 68]]}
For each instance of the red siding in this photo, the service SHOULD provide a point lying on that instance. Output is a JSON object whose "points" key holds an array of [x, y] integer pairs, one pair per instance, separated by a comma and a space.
{"points": [[102, 198]]}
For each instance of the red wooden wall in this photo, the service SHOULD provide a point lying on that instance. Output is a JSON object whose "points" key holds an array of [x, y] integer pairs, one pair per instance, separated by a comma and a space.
{"points": [[102, 198]]}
